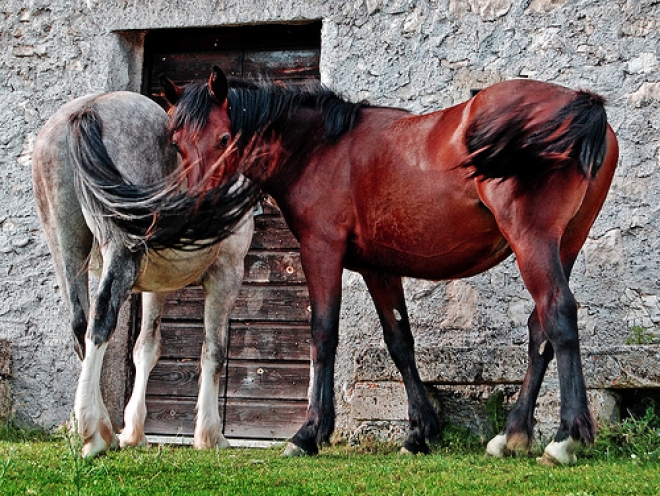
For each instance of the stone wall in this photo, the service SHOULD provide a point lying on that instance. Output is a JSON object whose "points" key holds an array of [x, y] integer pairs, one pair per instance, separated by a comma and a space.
{"points": [[421, 55]]}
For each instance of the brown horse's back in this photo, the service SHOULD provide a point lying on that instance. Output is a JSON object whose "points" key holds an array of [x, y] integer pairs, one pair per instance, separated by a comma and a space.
{"points": [[415, 211], [415, 207]]}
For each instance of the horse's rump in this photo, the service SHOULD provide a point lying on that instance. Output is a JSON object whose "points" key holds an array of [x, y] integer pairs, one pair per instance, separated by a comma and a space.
{"points": [[517, 139], [153, 214]]}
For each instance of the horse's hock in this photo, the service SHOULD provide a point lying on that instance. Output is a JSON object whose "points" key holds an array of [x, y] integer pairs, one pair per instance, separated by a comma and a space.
{"points": [[461, 381], [5, 377]]}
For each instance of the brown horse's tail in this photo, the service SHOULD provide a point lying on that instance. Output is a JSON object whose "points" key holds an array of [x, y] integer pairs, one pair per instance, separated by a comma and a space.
{"points": [[504, 145], [155, 215]]}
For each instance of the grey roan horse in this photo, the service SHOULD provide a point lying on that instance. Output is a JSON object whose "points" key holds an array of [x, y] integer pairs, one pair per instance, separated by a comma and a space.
{"points": [[123, 138]]}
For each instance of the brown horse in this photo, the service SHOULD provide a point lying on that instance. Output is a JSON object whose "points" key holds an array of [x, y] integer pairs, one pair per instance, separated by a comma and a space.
{"points": [[523, 167]]}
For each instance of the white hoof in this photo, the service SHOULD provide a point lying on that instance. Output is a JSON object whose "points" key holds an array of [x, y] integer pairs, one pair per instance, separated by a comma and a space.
{"points": [[497, 446], [217, 441], [292, 450], [97, 444], [131, 440], [406, 452], [559, 453]]}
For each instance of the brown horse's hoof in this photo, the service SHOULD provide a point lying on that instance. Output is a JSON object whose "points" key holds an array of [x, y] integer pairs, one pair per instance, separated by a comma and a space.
{"points": [[292, 450], [559, 453], [547, 461]]}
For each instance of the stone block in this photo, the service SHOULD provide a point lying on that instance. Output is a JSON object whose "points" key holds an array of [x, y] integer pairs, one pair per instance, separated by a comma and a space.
{"points": [[460, 381], [604, 368], [379, 401], [622, 367], [496, 365]]}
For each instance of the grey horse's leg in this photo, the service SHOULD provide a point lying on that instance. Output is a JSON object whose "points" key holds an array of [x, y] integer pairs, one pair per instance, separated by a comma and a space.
{"points": [[145, 356], [120, 270], [222, 282]]}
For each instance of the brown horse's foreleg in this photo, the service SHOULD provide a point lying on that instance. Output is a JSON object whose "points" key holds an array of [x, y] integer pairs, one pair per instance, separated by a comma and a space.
{"points": [[387, 294], [320, 421], [322, 266]]}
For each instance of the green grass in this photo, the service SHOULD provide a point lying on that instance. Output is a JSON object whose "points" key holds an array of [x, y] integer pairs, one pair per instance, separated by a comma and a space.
{"points": [[34, 463]]}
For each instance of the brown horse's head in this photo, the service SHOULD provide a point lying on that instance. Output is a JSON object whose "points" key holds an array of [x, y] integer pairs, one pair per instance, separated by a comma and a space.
{"points": [[200, 130]]}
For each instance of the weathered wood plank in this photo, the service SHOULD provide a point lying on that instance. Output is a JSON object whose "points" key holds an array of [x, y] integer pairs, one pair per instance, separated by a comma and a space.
{"points": [[176, 378], [171, 416], [260, 420], [276, 303], [188, 67], [273, 303], [282, 64], [272, 233], [248, 340], [269, 341], [268, 380], [183, 40], [182, 339], [263, 267]]}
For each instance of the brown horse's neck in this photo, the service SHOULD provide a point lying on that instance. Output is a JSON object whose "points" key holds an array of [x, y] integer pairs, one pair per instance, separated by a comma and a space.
{"points": [[290, 146]]}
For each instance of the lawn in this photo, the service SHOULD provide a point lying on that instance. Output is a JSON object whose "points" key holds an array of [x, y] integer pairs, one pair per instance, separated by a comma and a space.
{"points": [[41, 464]]}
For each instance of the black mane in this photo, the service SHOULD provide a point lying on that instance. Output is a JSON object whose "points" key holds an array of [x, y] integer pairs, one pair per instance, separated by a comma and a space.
{"points": [[254, 107]]}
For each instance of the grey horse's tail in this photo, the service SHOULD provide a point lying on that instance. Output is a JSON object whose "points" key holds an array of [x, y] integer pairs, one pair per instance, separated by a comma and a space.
{"points": [[152, 215]]}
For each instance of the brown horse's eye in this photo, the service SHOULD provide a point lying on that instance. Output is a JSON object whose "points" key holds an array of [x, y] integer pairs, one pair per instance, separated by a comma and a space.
{"points": [[175, 145], [223, 141]]}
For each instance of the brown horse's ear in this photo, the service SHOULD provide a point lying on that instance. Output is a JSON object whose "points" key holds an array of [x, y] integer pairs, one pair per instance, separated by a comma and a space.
{"points": [[170, 91], [218, 85]]}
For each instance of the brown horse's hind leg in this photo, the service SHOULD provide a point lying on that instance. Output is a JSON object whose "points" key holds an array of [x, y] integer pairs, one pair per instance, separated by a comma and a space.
{"points": [[387, 294], [520, 423], [534, 223], [557, 313]]}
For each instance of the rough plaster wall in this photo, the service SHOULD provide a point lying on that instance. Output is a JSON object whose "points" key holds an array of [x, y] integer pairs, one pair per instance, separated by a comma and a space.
{"points": [[421, 55]]}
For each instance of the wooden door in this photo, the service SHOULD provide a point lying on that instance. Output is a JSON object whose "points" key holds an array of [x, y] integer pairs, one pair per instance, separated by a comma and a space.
{"points": [[264, 387]]}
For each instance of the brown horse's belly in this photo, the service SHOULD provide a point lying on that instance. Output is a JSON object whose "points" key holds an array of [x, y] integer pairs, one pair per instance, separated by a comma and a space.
{"points": [[452, 261]]}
